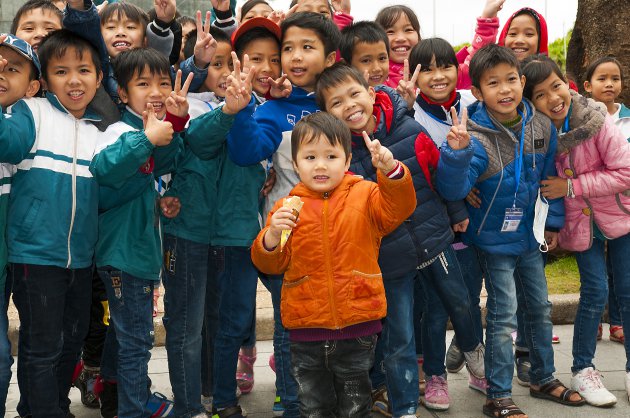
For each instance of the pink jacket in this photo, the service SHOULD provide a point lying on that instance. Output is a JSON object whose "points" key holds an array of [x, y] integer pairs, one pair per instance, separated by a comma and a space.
{"points": [[596, 156]]}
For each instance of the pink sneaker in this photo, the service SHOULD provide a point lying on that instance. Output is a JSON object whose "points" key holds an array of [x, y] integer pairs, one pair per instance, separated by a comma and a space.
{"points": [[480, 385], [272, 362], [245, 369], [436, 395]]}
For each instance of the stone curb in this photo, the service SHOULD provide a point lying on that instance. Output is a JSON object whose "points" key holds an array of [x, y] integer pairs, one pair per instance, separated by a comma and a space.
{"points": [[563, 312]]}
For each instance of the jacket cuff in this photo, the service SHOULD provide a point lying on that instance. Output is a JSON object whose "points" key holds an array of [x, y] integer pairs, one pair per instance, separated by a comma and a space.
{"points": [[178, 123], [577, 187], [223, 15]]}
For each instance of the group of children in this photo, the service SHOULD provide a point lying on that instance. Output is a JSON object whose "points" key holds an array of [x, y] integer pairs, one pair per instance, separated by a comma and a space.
{"points": [[165, 142]]}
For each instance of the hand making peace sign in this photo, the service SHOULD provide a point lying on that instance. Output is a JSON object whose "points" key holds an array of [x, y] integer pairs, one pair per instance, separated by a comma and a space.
{"points": [[458, 137], [176, 103], [382, 158], [407, 87]]}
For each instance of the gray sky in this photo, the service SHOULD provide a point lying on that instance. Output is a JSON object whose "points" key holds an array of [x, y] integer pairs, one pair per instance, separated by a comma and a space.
{"points": [[459, 27]]}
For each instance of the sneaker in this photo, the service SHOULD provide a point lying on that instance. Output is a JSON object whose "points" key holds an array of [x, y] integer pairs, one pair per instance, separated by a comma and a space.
{"points": [[85, 382], [555, 339], [480, 385], [474, 361], [628, 385], [588, 383], [436, 396], [231, 411], [616, 334], [523, 365], [159, 405], [245, 369], [380, 402], [272, 362], [278, 409], [454, 358], [206, 402]]}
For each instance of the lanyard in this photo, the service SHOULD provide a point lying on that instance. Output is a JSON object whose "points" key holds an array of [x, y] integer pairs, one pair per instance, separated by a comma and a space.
{"points": [[519, 159]]}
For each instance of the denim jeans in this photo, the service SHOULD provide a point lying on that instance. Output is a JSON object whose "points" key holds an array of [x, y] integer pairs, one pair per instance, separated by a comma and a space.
{"points": [[445, 290], [473, 277], [418, 308], [594, 294], [395, 359], [210, 321], [185, 276], [6, 360], [129, 339], [286, 387], [54, 308], [614, 315], [97, 331], [333, 377], [511, 281], [237, 279]]}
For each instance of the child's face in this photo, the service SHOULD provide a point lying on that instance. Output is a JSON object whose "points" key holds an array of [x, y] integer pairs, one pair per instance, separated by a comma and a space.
{"points": [[552, 98], [501, 89], [220, 68], [35, 24], [522, 37], [264, 54], [259, 10], [437, 83], [320, 165], [73, 79], [303, 57], [121, 34], [605, 84], [402, 37], [314, 6], [372, 58], [147, 88], [15, 80], [353, 104]]}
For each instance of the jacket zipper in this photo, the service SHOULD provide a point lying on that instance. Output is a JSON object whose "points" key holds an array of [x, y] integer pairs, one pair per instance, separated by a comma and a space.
{"points": [[74, 190], [328, 256], [592, 215], [485, 216]]}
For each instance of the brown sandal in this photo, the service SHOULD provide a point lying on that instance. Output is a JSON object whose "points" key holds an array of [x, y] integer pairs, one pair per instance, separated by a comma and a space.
{"points": [[616, 334], [545, 392], [501, 408]]}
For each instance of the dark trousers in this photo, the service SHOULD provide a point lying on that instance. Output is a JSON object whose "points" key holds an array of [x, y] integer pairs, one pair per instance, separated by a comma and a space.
{"points": [[333, 377], [99, 320]]}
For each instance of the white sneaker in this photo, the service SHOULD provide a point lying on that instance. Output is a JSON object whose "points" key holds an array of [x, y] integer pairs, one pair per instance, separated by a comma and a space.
{"points": [[409, 416], [628, 385], [474, 361], [588, 383]]}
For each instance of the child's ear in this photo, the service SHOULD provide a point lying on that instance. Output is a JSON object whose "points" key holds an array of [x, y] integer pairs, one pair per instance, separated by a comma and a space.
{"points": [[122, 93], [295, 167], [588, 87], [33, 88], [348, 162], [372, 94], [330, 59], [477, 93], [523, 79], [99, 78]]}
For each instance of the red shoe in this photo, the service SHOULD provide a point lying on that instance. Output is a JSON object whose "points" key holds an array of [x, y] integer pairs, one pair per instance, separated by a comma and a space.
{"points": [[600, 331], [555, 339], [245, 371], [616, 334]]}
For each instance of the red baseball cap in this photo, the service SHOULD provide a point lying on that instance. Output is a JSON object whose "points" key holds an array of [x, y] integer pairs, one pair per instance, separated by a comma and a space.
{"points": [[257, 22]]}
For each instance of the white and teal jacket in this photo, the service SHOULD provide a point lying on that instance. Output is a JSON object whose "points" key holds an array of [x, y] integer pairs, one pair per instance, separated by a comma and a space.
{"points": [[52, 217]]}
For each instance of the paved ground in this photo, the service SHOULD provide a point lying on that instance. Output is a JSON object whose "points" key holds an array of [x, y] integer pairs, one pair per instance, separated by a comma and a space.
{"points": [[465, 402]]}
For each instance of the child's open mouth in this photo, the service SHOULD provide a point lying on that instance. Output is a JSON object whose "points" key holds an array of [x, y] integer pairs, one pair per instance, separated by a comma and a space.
{"points": [[355, 116], [558, 109], [122, 45], [157, 106], [76, 95], [507, 101]]}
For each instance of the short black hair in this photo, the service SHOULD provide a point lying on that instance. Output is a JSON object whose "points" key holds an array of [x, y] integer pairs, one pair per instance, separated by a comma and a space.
{"points": [[189, 45], [388, 16], [135, 61], [424, 52], [294, 2], [536, 69], [219, 35], [249, 5], [590, 70], [32, 5], [324, 28], [251, 35], [336, 75], [124, 9], [57, 43], [367, 32], [312, 127], [489, 57]]}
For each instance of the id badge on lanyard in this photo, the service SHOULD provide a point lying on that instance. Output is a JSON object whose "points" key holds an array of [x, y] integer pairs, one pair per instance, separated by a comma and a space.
{"points": [[514, 215]]}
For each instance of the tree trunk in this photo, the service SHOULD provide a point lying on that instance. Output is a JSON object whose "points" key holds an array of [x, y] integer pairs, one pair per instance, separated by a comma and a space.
{"points": [[601, 28]]}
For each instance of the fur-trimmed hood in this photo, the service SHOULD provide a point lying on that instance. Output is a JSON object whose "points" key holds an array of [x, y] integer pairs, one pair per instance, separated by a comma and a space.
{"points": [[586, 120]]}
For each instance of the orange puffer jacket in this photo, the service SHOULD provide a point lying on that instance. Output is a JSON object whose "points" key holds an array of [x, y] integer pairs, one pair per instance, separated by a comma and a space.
{"points": [[330, 263]]}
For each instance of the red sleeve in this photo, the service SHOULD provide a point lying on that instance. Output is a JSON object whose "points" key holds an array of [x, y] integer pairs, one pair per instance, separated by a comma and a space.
{"points": [[427, 155], [178, 123]]}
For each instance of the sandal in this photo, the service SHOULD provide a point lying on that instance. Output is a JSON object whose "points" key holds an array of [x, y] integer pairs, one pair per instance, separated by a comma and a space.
{"points": [[245, 371], [380, 402], [545, 392], [616, 334], [500, 408]]}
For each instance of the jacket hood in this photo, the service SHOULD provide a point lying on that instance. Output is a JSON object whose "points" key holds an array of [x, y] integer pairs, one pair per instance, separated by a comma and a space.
{"points": [[393, 108], [586, 119], [543, 47], [481, 120]]}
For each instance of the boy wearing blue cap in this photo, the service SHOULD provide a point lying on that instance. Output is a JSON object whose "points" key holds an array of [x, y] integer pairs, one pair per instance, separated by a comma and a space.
{"points": [[19, 78]]}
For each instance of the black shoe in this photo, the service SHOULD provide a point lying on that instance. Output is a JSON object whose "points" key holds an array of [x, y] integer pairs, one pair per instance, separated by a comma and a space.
{"points": [[229, 412], [85, 383], [109, 400]]}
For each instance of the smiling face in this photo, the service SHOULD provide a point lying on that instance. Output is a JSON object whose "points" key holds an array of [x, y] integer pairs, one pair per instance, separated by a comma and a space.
{"points": [[402, 37], [353, 104], [437, 83], [321, 165], [264, 54], [147, 88], [501, 89], [15, 80], [219, 69], [303, 57], [121, 34], [35, 24], [552, 98], [605, 84], [372, 58], [522, 37], [73, 78]]}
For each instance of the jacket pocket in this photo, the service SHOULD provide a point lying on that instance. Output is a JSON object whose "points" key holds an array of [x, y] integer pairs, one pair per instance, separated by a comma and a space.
{"points": [[30, 217], [298, 301], [366, 292]]}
